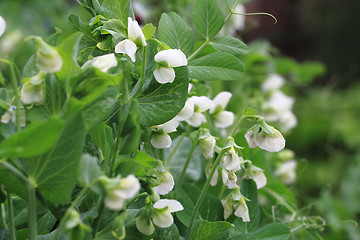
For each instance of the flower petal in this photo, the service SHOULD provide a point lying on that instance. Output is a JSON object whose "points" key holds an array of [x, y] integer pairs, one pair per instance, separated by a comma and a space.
{"points": [[186, 112], [249, 136], [273, 82], [242, 211], [221, 100], [224, 119], [127, 47], [166, 185], [202, 103], [104, 62], [114, 202], [196, 119], [270, 142], [170, 126], [163, 220], [144, 226], [207, 146], [128, 187], [30, 93], [171, 58], [2, 26], [164, 75], [260, 179], [135, 33], [171, 204], [161, 141]]}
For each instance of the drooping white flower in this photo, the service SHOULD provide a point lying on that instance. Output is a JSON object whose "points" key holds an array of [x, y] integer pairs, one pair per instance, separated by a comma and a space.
{"points": [[186, 112], [214, 178], [229, 178], [223, 118], [135, 38], [277, 105], [288, 120], [201, 104], [231, 159], [272, 83], [103, 63], [119, 190], [10, 114], [2, 26], [235, 201], [167, 183], [163, 209], [167, 60], [145, 226], [33, 89], [270, 142], [48, 60], [260, 179], [207, 143], [287, 172], [160, 137]]}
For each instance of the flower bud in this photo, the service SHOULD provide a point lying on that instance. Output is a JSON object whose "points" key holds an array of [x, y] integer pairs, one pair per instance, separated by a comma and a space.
{"points": [[48, 59]]}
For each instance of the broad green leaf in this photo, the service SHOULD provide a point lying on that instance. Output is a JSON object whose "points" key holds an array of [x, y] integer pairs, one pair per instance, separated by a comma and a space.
{"points": [[36, 139], [12, 183], [171, 232], [249, 190], [46, 223], [118, 9], [230, 45], [68, 50], [100, 109], [204, 230], [55, 173], [273, 231], [176, 164], [161, 102], [149, 31], [208, 18], [174, 32], [114, 27], [216, 66], [211, 208], [102, 135]]}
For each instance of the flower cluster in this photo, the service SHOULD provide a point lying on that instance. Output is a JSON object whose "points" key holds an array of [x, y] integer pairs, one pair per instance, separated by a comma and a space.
{"points": [[278, 106]]}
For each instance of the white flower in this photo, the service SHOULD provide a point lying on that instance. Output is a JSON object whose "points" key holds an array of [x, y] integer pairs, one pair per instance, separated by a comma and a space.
{"points": [[163, 209], [231, 160], [145, 226], [288, 120], [186, 112], [166, 185], [160, 138], [167, 59], [259, 178], [235, 201], [223, 118], [287, 172], [237, 21], [103, 63], [120, 190], [10, 114], [269, 142], [2, 26], [214, 178], [201, 104], [272, 83], [229, 178], [136, 38], [278, 104], [207, 146], [48, 60], [33, 90]]}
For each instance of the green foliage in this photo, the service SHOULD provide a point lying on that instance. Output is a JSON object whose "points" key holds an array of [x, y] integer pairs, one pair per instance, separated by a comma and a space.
{"points": [[210, 230]]}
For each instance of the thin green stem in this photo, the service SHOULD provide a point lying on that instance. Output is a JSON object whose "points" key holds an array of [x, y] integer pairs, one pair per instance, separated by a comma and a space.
{"points": [[15, 171], [17, 96], [167, 161], [96, 223], [137, 89], [203, 193], [11, 216], [198, 50], [32, 226], [182, 175]]}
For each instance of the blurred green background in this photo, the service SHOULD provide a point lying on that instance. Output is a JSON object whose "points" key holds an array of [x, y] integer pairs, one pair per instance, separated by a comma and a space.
{"points": [[327, 138]]}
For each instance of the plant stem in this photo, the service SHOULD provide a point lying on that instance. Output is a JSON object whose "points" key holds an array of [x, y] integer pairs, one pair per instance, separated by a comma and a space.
{"points": [[198, 50], [221, 193], [96, 223], [17, 96], [15, 171], [31, 212], [137, 89], [167, 161], [11, 216], [203, 193], [207, 183], [181, 178]]}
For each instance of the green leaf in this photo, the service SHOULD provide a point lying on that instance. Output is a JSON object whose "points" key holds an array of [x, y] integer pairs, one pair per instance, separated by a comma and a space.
{"points": [[149, 31], [161, 102], [98, 110], [103, 138], [34, 140], [171, 232], [89, 169], [114, 27], [208, 18], [211, 208], [118, 9], [12, 183], [68, 50], [216, 66], [248, 111], [230, 45], [55, 173], [204, 230], [174, 32], [274, 231], [249, 190], [176, 165]]}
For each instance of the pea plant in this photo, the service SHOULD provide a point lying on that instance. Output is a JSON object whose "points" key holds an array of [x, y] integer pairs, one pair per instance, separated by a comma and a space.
{"points": [[116, 131]]}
